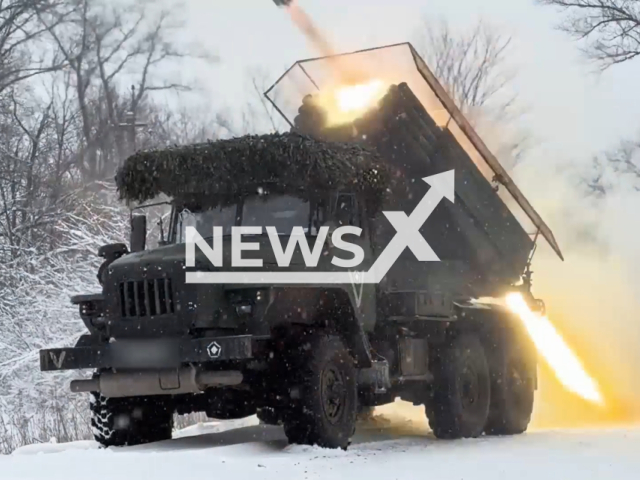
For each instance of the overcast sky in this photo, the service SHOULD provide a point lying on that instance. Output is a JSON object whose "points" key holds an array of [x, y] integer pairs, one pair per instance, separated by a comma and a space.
{"points": [[574, 112]]}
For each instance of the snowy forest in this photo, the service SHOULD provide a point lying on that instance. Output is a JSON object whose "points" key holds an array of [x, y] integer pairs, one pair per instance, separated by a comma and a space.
{"points": [[73, 75], [83, 84]]}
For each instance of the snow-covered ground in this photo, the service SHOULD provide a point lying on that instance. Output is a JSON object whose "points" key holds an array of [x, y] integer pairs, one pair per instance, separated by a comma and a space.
{"points": [[243, 449]]}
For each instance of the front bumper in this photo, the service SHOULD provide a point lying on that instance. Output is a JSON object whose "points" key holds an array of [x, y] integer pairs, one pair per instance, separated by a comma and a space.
{"points": [[150, 354]]}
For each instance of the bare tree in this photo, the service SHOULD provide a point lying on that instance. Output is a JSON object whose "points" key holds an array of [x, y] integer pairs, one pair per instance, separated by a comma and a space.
{"points": [[257, 115], [475, 69], [23, 169], [473, 66], [614, 168], [610, 28], [610, 32], [20, 33], [108, 48], [261, 108], [57, 141], [177, 127]]}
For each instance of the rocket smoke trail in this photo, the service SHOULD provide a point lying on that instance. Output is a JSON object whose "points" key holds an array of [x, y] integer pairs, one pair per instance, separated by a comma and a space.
{"points": [[300, 18], [344, 73]]}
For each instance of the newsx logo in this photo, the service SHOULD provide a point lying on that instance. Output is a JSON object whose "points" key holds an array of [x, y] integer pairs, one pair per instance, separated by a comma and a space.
{"points": [[283, 256], [407, 236]]}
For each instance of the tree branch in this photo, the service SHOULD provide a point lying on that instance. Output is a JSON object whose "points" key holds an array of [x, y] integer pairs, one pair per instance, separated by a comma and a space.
{"points": [[610, 28]]}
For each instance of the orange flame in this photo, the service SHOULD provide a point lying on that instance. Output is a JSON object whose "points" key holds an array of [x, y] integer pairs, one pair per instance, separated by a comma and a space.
{"points": [[564, 363], [345, 104]]}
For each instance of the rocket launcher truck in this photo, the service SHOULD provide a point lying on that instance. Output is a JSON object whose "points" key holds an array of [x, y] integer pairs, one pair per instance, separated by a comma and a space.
{"points": [[431, 224]]}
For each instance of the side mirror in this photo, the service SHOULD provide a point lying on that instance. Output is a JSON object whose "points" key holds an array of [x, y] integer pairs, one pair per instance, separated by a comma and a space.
{"points": [[110, 253], [138, 239]]}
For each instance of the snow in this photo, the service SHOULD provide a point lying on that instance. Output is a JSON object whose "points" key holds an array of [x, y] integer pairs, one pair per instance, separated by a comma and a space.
{"points": [[383, 449]]}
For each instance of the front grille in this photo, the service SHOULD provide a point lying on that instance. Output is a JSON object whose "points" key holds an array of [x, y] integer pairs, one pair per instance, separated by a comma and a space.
{"points": [[146, 298]]}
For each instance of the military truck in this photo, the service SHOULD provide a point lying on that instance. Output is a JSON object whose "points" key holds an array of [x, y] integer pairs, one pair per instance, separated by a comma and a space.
{"points": [[306, 351]]}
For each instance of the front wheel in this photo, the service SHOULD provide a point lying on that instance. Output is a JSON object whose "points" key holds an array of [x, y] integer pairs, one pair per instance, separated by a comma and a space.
{"points": [[459, 405], [324, 394], [117, 422]]}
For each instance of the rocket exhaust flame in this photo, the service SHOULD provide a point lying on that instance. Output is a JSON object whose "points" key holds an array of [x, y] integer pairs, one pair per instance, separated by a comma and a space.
{"points": [[347, 103], [561, 359], [358, 97], [355, 93]]}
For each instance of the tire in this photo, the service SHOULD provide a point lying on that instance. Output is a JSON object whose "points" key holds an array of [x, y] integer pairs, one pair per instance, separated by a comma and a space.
{"points": [[324, 412], [459, 405], [117, 422], [512, 392]]}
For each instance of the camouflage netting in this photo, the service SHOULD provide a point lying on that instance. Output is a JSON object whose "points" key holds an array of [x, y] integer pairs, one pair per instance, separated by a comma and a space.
{"points": [[224, 170]]}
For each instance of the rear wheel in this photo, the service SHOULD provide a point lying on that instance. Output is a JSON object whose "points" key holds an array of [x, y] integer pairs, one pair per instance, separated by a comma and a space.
{"points": [[324, 402], [512, 392], [459, 405], [117, 422]]}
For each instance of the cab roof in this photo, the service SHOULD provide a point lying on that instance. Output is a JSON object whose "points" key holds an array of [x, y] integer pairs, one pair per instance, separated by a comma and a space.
{"points": [[225, 170]]}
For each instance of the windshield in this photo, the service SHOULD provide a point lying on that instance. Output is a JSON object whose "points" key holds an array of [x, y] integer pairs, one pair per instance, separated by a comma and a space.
{"points": [[205, 220], [282, 212]]}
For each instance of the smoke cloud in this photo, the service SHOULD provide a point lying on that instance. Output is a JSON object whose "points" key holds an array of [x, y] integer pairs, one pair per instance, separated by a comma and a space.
{"points": [[593, 297]]}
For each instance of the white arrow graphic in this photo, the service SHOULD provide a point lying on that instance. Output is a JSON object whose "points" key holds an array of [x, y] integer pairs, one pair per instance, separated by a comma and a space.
{"points": [[407, 236], [408, 228]]}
